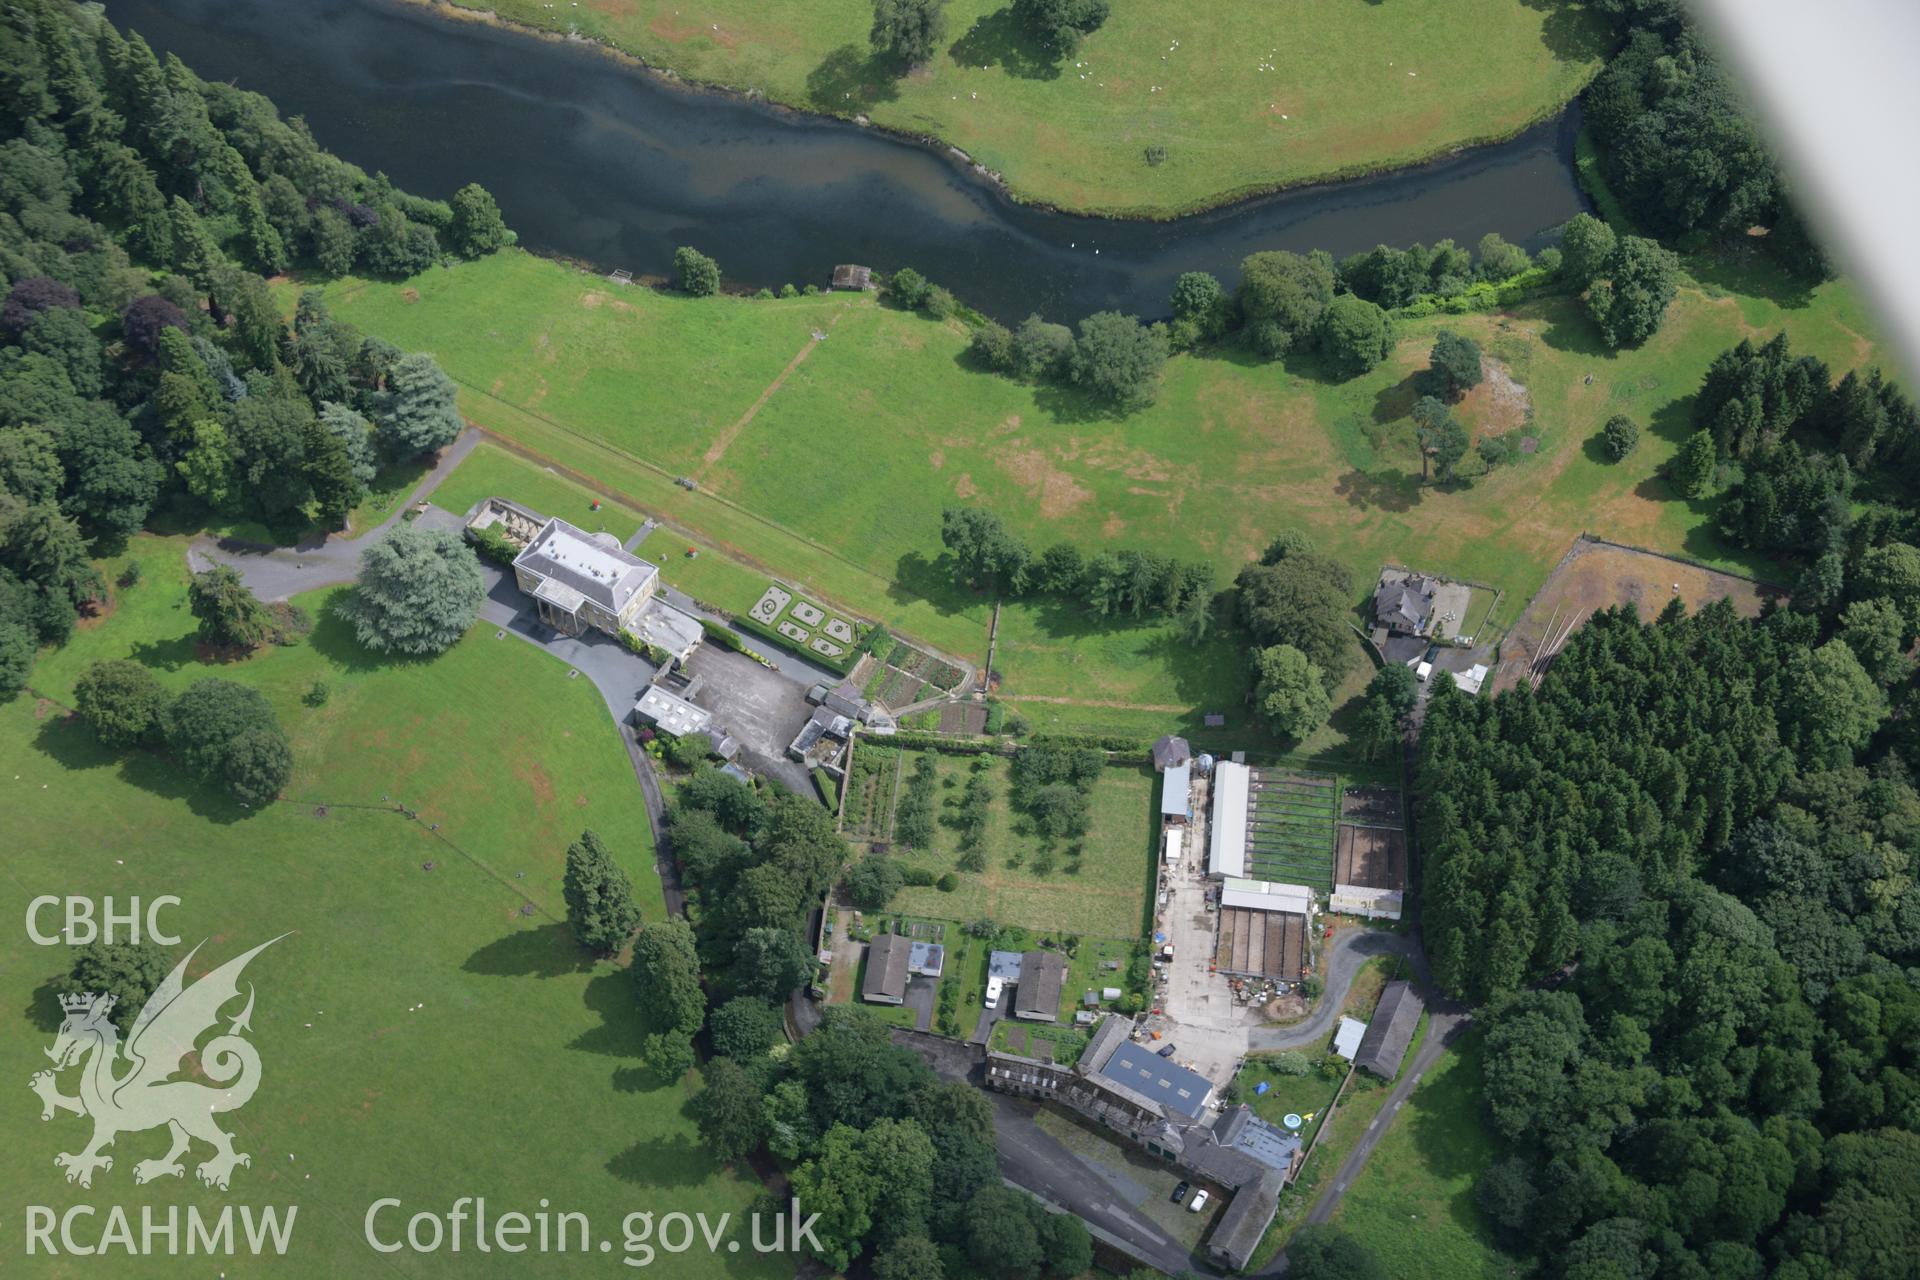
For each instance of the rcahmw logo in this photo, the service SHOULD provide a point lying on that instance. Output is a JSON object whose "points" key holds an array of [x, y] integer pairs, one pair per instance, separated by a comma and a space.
{"points": [[129, 1088]]}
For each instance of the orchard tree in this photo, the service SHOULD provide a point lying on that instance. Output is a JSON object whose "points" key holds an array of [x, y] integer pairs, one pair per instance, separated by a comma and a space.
{"points": [[121, 702], [1355, 335], [418, 592], [226, 733], [1454, 365], [1290, 691], [599, 896], [908, 31], [418, 413], [695, 273]]}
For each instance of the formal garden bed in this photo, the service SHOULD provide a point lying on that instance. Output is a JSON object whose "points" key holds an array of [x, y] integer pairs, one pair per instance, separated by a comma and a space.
{"points": [[818, 633]]}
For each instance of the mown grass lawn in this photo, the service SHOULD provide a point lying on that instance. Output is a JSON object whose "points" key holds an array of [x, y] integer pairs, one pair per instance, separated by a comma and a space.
{"points": [[1413, 1204], [837, 480], [1242, 95], [422, 1037]]}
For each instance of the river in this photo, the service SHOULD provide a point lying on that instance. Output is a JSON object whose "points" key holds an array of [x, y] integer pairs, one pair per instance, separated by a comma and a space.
{"points": [[600, 162]]}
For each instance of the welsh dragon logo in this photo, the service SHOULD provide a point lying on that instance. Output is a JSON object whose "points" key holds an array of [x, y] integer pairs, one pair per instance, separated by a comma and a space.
{"points": [[128, 1088]]}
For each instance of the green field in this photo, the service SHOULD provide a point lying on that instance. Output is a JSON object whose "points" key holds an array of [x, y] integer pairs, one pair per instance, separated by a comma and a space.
{"points": [[885, 424], [1413, 1204], [1100, 894], [1243, 96], [422, 1037]]}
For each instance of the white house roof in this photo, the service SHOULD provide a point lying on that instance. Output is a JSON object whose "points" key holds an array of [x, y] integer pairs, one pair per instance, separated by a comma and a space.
{"points": [[1265, 895], [594, 565], [1346, 1037], [672, 715], [1227, 853]]}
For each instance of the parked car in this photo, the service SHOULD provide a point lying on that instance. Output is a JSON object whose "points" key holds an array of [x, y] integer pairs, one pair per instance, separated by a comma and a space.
{"points": [[1166, 1050], [1198, 1202], [1180, 1192]]}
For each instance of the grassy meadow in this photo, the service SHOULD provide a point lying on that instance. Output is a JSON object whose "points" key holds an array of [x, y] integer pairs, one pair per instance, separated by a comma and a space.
{"points": [[1413, 1203], [424, 1035], [1243, 96], [836, 480]]}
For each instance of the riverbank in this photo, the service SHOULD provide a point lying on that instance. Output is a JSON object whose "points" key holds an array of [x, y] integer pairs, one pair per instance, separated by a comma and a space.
{"points": [[1159, 115]]}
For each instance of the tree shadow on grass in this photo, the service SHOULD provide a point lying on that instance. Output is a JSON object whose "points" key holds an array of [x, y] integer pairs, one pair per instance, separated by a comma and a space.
{"points": [[662, 1162], [1573, 32], [621, 1028], [934, 581], [1743, 268], [1397, 491], [1066, 403], [851, 78], [333, 638], [69, 743], [1394, 402], [1572, 330], [546, 952], [43, 1006], [165, 655], [998, 40]]}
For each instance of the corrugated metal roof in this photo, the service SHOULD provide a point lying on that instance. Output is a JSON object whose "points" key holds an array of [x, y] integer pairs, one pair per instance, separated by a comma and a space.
{"points": [[1227, 848], [1175, 785]]}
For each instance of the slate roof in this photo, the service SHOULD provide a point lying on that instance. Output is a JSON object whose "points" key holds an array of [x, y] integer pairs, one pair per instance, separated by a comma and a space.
{"points": [[1180, 1092], [887, 957], [1245, 1221], [572, 557], [1171, 750], [1391, 1030], [1403, 606], [1042, 974]]}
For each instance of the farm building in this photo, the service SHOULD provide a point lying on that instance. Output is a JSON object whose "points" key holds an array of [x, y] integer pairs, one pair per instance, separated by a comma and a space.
{"points": [[1170, 752], [850, 276], [1370, 855], [1263, 929], [1272, 825], [1163, 1107], [1227, 851], [1394, 1020], [670, 714], [1178, 1091], [1036, 998], [888, 958], [1176, 788], [1346, 1037]]}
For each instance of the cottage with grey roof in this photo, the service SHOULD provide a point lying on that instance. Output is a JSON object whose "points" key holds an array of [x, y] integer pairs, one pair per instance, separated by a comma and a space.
{"points": [[1042, 975], [888, 959]]}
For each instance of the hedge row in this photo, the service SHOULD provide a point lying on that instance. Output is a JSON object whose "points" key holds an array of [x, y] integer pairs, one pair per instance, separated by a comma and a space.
{"points": [[842, 664]]}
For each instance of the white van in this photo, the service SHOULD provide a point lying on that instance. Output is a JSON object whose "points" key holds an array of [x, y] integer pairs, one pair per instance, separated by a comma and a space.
{"points": [[994, 986]]}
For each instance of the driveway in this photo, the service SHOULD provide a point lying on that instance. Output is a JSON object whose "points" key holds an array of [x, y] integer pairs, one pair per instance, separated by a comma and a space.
{"points": [[920, 996], [274, 573], [763, 709], [1339, 964]]}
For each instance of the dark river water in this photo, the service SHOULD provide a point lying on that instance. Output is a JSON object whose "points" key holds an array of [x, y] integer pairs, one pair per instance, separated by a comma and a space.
{"points": [[601, 162]]}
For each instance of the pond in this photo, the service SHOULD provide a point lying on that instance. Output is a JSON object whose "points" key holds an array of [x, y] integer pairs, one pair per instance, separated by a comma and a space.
{"points": [[598, 161]]}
